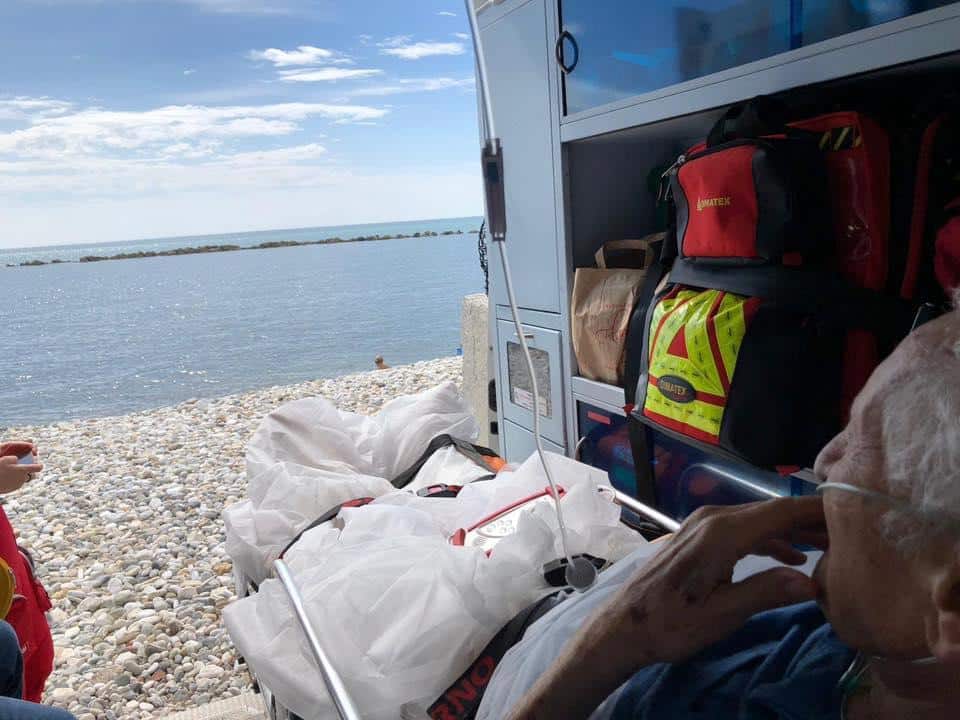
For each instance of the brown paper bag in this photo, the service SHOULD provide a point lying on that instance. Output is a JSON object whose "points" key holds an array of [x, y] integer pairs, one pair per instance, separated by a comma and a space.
{"points": [[600, 316], [627, 253]]}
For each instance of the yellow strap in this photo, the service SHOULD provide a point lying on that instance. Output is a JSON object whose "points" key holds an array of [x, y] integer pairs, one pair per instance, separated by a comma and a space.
{"points": [[8, 587]]}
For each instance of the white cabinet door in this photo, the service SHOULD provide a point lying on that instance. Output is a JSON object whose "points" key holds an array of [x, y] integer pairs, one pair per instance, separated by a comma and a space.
{"points": [[517, 54], [518, 443], [517, 404]]}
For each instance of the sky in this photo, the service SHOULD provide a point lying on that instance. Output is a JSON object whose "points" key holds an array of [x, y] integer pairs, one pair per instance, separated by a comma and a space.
{"points": [[126, 119]]}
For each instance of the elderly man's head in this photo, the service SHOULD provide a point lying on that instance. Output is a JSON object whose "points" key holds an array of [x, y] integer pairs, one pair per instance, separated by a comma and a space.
{"points": [[891, 579]]}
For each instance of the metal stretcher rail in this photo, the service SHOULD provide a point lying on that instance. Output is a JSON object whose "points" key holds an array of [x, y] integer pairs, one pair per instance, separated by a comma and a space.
{"points": [[331, 678], [665, 521], [346, 708]]}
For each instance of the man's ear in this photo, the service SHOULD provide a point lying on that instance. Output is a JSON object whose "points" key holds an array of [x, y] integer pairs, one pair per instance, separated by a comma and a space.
{"points": [[943, 629]]}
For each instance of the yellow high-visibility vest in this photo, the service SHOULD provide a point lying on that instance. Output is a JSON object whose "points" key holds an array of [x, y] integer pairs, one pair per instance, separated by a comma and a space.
{"points": [[695, 338]]}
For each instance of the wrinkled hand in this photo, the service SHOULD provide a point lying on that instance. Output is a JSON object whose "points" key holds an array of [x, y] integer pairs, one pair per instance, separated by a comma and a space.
{"points": [[684, 600], [12, 475], [681, 601]]}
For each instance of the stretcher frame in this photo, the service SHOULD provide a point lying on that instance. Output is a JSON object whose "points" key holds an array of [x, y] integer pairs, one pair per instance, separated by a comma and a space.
{"points": [[335, 687]]}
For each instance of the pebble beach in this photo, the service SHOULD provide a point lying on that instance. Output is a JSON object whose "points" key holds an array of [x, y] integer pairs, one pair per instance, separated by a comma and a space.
{"points": [[125, 527]]}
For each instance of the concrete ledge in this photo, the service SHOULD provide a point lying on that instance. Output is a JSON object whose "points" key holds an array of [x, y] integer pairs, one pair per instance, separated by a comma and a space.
{"points": [[475, 340]]}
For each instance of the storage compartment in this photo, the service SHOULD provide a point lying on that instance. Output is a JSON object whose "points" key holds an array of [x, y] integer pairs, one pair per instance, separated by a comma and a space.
{"points": [[611, 193], [518, 443], [604, 443], [618, 50], [517, 391], [687, 478], [612, 180]]}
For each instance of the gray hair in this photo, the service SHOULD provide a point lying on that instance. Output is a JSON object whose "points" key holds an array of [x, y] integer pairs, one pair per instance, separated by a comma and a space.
{"points": [[921, 438]]}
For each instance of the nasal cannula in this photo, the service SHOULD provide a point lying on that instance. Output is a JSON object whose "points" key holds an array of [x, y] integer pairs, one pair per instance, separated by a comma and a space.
{"points": [[580, 572]]}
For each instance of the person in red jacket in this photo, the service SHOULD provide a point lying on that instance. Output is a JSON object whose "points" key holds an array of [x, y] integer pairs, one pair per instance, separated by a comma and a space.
{"points": [[30, 603]]}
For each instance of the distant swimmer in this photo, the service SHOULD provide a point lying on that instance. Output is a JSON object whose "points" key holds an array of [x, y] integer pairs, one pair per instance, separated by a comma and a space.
{"points": [[381, 365]]}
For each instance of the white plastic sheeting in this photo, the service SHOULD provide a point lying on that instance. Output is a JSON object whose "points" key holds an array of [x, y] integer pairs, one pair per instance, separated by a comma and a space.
{"points": [[308, 456], [544, 640], [402, 612]]}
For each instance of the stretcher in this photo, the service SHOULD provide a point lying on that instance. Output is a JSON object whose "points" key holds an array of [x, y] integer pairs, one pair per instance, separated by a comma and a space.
{"points": [[335, 687]]}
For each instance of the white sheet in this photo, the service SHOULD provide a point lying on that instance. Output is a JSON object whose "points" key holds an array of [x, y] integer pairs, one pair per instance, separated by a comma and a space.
{"points": [[308, 456], [400, 610]]}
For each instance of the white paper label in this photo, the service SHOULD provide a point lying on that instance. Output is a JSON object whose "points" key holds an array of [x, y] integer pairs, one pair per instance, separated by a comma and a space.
{"points": [[524, 398]]}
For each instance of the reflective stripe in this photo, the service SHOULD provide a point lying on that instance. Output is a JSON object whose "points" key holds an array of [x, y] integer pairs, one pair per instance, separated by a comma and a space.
{"points": [[693, 355]]}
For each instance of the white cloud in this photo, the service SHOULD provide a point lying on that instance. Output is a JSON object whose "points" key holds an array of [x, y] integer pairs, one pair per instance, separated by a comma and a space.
{"points": [[417, 50], [462, 36], [303, 55], [447, 13], [415, 85], [327, 74], [20, 107], [281, 156], [189, 71], [106, 134], [395, 40]]}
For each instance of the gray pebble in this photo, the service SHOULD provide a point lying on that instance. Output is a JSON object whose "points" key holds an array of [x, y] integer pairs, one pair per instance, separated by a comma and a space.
{"points": [[128, 527]]}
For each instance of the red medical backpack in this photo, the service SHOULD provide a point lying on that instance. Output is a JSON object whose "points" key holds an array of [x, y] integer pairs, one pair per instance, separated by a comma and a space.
{"points": [[28, 614]]}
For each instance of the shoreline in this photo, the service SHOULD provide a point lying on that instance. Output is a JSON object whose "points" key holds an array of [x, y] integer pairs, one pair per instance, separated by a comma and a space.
{"points": [[125, 525], [205, 249]]}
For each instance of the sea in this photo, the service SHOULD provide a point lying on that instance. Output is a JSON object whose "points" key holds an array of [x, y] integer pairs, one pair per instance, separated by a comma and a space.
{"points": [[108, 338]]}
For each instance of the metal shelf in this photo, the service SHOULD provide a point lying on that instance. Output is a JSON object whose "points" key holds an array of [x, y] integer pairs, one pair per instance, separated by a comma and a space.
{"points": [[917, 37], [598, 392]]}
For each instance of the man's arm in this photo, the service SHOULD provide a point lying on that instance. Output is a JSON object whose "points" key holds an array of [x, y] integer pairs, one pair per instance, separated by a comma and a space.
{"points": [[680, 602]]}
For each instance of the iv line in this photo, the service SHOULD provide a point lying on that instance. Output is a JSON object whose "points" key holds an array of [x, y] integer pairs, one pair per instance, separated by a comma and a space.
{"points": [[581, 574]]}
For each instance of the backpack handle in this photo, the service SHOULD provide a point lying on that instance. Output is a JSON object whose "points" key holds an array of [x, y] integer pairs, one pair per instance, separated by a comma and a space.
{"points": [[754, 118]]}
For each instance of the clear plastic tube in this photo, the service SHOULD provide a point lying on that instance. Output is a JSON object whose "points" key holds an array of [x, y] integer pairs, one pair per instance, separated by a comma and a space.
{"points": [[581, 573], [508, 281]]}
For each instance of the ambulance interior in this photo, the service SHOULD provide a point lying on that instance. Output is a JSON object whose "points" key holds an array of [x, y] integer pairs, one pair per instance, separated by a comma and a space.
{"points": [[577, 176]]}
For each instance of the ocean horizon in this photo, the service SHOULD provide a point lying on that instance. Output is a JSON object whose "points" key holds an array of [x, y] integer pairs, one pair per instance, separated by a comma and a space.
{"points": [[108, 338], [72, 252]]}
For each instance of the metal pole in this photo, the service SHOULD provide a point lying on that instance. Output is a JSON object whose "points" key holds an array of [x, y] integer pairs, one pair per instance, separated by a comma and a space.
{"points": [[331, 678], [648, 512]]}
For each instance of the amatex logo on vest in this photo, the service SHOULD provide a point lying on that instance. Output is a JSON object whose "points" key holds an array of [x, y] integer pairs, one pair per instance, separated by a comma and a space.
{"points": [[676, 389], [702, 203]]}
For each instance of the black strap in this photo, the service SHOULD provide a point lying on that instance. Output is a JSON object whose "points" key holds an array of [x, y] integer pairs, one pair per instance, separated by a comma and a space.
{"points": [[804, 290], [638, 339], [477, 453], [326, 517], [642, 461], [462, 699], [791, 286], [638, 318]]}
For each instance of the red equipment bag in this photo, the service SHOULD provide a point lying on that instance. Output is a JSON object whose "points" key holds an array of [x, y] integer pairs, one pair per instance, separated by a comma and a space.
{"points": [[749, 197], [27, 615], [946, 259], [933, 256], [857, 153]]}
